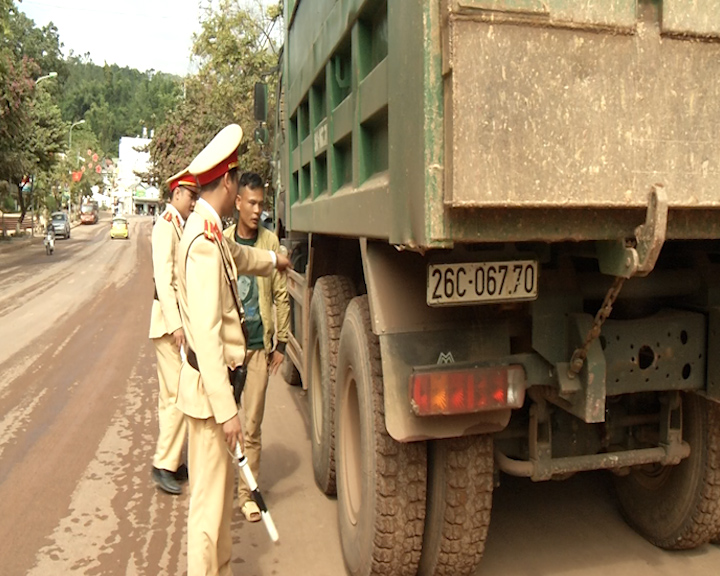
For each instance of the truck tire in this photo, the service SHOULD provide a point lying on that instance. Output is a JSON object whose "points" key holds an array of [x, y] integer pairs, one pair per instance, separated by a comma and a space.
{"points": [[331, 296], [289, 373], [678, 507], [459, 499], [381, 483]]}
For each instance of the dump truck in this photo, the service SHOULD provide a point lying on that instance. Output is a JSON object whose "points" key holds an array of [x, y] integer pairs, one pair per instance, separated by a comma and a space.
{"points": [[504, 220]]}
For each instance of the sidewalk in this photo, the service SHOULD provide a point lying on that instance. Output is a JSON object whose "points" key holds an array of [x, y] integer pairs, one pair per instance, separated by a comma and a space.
{"points": [[12, 244]]}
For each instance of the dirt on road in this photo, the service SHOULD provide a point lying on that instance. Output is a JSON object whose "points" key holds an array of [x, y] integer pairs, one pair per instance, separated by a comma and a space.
{"points": [[78, 426]]}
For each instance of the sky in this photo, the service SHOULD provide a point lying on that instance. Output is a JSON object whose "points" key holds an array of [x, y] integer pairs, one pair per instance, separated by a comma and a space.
{"points": [[141, 34]]}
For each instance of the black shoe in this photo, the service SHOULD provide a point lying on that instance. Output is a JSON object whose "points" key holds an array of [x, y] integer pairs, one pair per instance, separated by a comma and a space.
{"points": [[165, 480], [181, 474]]}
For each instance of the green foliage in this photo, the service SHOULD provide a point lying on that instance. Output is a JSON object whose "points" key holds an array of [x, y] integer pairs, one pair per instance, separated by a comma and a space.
{"points": [[35, 118], [234, 49], [116, 101], [31, 127]]}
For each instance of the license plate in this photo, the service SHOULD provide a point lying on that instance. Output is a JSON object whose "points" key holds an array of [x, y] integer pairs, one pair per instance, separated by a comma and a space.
{"points": [[481, 282]]}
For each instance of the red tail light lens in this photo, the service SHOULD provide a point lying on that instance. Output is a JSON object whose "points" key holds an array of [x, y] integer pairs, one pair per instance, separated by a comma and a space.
{"points": [[448, 392]]}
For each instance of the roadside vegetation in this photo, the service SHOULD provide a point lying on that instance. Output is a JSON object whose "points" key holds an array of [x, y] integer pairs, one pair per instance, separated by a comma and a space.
{"points": [[64, 115]]}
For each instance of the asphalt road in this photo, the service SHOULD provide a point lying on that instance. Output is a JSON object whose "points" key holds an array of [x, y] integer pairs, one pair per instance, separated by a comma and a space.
{"points": [[77, 433]]}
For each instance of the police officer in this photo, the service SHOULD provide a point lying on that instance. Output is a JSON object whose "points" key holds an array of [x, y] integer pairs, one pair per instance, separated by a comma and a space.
{"points": [[207, 268], [167, 333]]}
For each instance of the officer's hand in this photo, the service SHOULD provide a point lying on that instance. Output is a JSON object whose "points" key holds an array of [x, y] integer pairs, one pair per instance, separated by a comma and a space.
{"points": [[275, 361], [179, 336], [283, 262], [233, 433]]}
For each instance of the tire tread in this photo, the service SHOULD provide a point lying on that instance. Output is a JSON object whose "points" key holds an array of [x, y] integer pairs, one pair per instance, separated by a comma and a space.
{"points": [[455, 542], [333, 293]]}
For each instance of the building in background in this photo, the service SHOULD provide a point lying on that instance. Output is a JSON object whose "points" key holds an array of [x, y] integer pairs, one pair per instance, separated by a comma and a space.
{"points": [[131, 195]]}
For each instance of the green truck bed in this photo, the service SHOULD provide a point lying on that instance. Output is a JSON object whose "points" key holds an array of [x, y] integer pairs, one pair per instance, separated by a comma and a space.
{"points": [[453, 121]]}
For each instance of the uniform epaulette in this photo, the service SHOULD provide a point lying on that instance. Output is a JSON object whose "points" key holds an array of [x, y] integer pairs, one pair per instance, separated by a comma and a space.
{"points": [[167, 216], [211, 231]]}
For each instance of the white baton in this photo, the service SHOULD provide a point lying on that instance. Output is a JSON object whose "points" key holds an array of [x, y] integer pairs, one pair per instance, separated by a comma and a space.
{"points": [[253, 487]]}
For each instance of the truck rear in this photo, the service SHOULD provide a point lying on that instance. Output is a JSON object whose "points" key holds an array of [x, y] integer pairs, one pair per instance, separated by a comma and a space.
{"points": [[504, 219]]}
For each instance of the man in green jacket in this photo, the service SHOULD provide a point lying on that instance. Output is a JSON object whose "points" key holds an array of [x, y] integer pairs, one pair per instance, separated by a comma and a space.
{"points": [[259, 295]]}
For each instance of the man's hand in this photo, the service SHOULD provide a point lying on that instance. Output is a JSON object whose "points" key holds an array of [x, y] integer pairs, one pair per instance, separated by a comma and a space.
{"points": [[276, 359], [179, 336], [283, 262], [233, 433]]}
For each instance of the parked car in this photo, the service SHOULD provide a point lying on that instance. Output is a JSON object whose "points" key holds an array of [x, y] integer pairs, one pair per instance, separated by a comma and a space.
{"points": [[119, 228], [61, 224]]}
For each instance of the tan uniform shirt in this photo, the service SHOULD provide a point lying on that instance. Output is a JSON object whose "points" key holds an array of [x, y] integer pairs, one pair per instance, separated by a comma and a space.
{"points": [[272, 290], [166, 234], [205, 265]]}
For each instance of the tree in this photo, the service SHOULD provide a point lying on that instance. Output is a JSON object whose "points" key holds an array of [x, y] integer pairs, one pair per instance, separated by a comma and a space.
{"points": [[16, 90], [116, 101], [31, 129], [45, 141], [35, 120], [234, 49]]}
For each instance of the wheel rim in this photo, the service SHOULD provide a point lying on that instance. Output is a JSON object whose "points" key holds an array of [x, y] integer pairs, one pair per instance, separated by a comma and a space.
{"points": [[350, 454], [316, 390], [652, 476]]}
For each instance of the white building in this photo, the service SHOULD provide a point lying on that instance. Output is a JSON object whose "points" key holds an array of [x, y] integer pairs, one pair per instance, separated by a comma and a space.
{"points": [[131, 194]]}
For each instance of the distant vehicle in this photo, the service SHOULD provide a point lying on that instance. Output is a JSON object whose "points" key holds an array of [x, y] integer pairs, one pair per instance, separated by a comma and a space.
{"points": [[89, 213], [49, 240], [61, 224], [119, 228]]}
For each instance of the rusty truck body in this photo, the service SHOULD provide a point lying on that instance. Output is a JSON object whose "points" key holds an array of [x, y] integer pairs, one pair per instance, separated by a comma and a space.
{"points": [[504, 219]]}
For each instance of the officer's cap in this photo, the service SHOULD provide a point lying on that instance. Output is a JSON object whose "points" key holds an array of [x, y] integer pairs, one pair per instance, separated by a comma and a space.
{"points": [[182, 178], [218, 157]]}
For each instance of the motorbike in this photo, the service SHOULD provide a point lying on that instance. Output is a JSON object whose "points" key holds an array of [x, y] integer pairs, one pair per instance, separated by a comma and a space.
{"points": [[49, 242]]}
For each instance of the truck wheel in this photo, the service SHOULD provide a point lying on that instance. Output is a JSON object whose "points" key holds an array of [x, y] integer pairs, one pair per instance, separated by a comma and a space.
{"points": [[331, 296], [460, 486], [381, 483], [678, 507]]}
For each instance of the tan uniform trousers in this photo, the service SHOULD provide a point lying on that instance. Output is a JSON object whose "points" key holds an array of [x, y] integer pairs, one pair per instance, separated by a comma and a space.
{"points": [[171, 438], [211, 499], [253, 406]]}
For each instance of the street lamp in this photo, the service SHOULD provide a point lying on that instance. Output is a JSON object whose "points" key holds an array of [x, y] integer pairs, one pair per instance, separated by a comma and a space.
{"points": [[70, 148], [71, 127], [51, 75]]}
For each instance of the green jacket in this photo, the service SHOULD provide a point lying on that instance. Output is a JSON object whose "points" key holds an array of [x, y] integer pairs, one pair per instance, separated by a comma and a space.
{"points": [[271, 290]]}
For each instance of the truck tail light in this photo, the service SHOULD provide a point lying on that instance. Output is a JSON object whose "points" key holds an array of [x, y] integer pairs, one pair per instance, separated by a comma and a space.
{"points": [[464, 391]]}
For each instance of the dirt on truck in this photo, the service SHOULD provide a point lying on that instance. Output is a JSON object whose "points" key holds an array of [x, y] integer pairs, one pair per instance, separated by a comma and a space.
{"points": [[504, 219]]}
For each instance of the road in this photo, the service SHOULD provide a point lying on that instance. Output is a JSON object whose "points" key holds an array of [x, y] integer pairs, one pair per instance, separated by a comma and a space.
{"points": [[77, 432]]}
